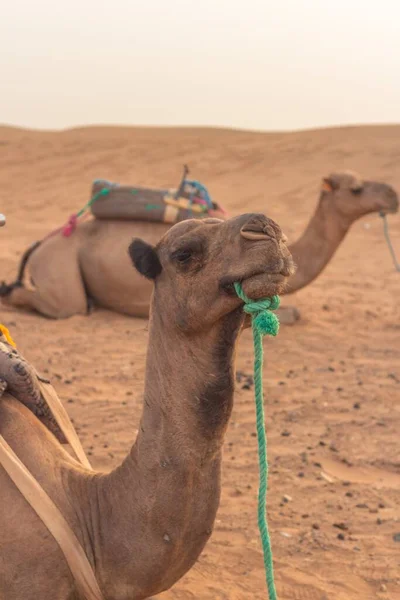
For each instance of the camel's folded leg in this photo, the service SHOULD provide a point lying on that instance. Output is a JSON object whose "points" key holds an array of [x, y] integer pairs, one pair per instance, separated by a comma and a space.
{"points": [[288, 315], [32, 299], [21, 380], [21, 297]]}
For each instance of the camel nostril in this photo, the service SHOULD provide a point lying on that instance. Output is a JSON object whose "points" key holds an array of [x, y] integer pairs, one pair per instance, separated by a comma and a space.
{"points": [[260, 227], [254, 235]]}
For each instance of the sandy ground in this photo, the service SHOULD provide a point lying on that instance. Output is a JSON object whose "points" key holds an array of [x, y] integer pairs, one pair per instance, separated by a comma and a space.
{"points": [[332, 380]]}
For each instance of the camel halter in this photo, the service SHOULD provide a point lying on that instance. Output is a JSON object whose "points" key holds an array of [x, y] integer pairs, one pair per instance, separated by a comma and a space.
{"points": [[263, 322], [41, 502], [389, 241]]}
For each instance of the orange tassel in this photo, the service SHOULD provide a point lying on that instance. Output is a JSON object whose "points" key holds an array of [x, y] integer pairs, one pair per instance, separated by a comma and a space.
{"points": [[6, 333]]}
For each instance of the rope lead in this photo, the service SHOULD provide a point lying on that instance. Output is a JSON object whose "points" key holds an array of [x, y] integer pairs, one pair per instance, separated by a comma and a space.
{"points": [[264, 322]]}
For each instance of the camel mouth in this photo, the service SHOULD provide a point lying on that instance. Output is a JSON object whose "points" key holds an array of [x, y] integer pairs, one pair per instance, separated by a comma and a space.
{"points": [[390, 210], [256, 286], [391, 204], [264, 285]]}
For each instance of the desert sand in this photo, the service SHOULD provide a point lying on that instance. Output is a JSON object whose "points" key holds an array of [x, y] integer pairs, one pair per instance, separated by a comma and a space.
{"points": [[332, 381]]}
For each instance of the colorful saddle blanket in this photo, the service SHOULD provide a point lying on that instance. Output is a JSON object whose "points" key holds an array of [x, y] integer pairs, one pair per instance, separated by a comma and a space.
{"points": [[133, 203]]}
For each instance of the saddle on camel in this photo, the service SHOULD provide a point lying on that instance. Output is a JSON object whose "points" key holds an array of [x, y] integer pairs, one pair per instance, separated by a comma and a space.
{"points": [[65, 275], [133, 532]]}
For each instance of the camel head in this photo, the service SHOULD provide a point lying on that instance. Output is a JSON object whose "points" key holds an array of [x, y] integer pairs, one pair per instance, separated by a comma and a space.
{"points": [[196, 263], [354, 197]]}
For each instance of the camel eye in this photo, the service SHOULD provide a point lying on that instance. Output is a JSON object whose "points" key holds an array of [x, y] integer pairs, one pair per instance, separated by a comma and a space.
{"points": [[182, 256], [188, 252], [357, 191]]}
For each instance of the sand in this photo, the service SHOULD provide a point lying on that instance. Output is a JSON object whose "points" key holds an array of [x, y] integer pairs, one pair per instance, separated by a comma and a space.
{"points": [[332, 381]]}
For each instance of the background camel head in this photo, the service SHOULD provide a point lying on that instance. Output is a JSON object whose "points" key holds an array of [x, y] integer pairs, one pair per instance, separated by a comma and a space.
{"points": [[196, 263], [354, 197]]}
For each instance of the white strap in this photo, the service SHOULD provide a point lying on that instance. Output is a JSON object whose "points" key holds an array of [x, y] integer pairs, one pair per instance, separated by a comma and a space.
{"points": [[63, 420], [170, 214], [53, 519]]}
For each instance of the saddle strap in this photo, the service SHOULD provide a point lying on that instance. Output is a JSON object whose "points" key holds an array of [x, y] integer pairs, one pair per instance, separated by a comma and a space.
{"points": [[51, 516], [63, 420]]}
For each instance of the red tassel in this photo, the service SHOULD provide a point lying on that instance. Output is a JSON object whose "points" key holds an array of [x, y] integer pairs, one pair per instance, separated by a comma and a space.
{"points": [[70, 227]]}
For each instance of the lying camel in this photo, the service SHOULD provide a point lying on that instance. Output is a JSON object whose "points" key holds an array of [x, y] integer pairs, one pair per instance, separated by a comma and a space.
{"points": [[144, 524], [66, 276]]}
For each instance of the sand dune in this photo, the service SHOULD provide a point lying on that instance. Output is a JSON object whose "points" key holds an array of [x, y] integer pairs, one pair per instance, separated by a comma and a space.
{"points": [[332, 381]]}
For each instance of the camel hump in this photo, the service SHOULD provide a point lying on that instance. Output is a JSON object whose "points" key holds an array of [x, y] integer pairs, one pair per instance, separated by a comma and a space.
{"points": [[134, 203], [21, 380]]}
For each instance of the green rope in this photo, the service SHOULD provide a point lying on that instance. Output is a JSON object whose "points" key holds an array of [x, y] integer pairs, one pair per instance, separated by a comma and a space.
{"points": [[389, 241], [264, 322], [102, 192]]}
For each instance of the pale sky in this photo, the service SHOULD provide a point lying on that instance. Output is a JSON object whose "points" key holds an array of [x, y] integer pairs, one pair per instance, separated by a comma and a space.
{"points": [[254, 64]]}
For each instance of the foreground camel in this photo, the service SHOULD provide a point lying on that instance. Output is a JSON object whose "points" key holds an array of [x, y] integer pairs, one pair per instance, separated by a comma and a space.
{"points": [[66, 276], [144, 524]]}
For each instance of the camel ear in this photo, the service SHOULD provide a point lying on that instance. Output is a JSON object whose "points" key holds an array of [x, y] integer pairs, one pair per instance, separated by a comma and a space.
{"points": [[145, 259], [326, 185], [329, 184]]}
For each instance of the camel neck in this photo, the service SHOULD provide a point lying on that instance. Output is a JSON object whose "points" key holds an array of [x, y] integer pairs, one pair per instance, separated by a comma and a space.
{"points": [[190, 381], [168, 488], [319, 242]]}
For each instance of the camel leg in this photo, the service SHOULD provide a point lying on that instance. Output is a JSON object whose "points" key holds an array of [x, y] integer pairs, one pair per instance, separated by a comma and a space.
{"points": [[288, 315], [21, 297]]}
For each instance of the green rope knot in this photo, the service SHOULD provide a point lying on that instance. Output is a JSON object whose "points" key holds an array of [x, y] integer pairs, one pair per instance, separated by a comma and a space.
{"points": [[264, 322]]}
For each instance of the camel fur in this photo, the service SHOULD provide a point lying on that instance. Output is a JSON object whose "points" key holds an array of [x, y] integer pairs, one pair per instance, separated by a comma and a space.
{"points": [[68, 276], [144, 524]]}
